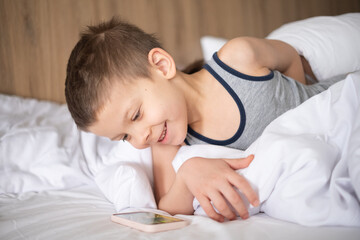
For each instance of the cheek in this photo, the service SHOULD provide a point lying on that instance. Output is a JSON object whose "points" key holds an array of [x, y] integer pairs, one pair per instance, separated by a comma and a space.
{"points": [[168, 106], [155, 113], [174, 110], [179, 118]]}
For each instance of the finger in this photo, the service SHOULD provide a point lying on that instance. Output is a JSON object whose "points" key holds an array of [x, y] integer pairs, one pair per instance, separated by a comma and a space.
{"points": [[209, 209], [239, 163], [236, 201], [221, 205], [243, 185]]}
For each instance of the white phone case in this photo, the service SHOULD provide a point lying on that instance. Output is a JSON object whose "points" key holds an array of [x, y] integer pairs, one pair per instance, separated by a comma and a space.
{"points": [[149, 221]]}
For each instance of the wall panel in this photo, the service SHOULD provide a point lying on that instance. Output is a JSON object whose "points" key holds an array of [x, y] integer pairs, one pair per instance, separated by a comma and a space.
{"points": [[36, 36]]}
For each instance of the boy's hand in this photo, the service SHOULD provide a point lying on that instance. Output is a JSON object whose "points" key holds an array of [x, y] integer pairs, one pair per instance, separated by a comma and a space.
{"points": [[213, 180]]}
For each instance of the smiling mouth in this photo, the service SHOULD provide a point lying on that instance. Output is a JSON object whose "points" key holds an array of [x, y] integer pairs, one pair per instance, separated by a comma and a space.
{"points": [[163, 134]]}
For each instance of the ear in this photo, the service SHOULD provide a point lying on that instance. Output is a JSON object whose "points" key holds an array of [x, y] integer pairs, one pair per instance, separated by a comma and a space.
{"points": [[162, 61]]}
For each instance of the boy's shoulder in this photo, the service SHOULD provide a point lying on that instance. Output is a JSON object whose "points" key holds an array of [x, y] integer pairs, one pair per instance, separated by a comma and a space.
{"points": [[239, 54]]}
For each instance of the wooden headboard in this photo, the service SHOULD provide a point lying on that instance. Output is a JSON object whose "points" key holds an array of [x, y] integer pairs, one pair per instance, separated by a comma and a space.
{"points": [[37, 36]]}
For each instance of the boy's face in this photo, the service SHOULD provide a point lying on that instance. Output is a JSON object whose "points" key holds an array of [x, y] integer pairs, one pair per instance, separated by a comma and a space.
{"points": [[144, 112]]}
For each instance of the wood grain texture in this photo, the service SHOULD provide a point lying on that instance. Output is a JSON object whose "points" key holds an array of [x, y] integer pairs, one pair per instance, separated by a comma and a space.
{"points": [[37, 36]]}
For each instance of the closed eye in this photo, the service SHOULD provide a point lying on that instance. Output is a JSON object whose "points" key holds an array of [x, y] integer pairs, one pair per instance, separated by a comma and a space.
{"points": [[137, 115], [125, 138]]}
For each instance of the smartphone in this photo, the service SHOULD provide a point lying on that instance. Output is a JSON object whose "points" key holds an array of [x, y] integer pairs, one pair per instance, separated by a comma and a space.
{"points": [[149, 221]]}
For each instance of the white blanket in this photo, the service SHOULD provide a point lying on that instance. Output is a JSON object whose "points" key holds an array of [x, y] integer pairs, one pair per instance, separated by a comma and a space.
{"points": [[307, 161]]}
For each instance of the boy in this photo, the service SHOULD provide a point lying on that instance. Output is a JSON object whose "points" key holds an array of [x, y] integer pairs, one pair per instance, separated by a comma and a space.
{"points": [[122, 85]]}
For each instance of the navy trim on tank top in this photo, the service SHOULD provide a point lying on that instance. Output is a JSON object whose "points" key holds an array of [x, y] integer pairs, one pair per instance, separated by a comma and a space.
{"points": [[239, 74], [240, 107]]}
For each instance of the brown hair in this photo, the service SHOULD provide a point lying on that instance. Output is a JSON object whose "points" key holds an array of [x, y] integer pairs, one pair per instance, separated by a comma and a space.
{"points": [[113, 48], [194, 66]]}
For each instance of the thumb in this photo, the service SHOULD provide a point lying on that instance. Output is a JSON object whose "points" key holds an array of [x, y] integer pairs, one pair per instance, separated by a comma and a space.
{"points": [[239, 163]]}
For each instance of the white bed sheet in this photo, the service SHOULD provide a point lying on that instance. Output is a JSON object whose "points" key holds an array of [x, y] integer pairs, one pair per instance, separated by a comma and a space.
{"points": [[84, 213]]}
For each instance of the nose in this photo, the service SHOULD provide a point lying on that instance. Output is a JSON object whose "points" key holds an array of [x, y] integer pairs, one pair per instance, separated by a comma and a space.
{"points": [[141, 138]]}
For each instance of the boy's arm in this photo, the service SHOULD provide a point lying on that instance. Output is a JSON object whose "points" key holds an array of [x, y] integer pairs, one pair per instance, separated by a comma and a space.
{"points": [[178, 200], [255, 56], [209, 180], [171, 193]]}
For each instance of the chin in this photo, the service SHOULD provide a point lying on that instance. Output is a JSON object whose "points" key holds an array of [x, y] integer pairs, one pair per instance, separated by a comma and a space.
{"points": [[181, 141], [176, 142]]}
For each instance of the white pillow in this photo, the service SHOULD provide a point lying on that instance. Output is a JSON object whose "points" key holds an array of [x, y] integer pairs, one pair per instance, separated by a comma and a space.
{"points": [[126, 185], [41, 149], [329, 43], [38, 140], [210, 44], [123, 173]]}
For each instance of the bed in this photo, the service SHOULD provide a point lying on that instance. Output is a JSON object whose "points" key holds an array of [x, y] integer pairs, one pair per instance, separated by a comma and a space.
{"points": [[53, 193], [60, 183]]}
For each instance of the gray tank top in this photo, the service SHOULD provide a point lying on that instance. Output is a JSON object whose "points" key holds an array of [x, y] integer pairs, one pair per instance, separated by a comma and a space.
{"points": [[259, 99]]}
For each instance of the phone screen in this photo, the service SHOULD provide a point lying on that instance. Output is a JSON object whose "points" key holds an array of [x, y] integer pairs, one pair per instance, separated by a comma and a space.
{"points": [[148, 218]]}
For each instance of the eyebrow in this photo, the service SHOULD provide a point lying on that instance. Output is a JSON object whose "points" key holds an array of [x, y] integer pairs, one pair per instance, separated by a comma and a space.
{"points": [[113, 139]]}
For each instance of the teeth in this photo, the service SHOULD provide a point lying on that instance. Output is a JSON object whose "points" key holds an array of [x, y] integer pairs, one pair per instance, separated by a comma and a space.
{"points": [[163, 134]]}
